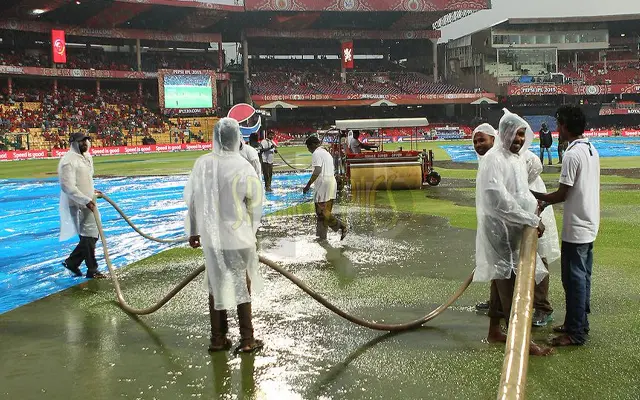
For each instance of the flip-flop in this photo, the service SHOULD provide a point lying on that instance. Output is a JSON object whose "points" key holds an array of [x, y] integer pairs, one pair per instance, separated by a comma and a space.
{"points": [[257, 345], [223, 347]]}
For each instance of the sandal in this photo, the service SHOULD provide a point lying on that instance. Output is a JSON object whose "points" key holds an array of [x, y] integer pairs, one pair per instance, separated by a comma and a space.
{"points": [[343, 232], [564, 340], [249, 346], [220, 346]]}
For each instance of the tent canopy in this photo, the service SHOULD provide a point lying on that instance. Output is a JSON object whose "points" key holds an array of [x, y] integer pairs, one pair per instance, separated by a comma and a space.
{"points": [[381, 123]]}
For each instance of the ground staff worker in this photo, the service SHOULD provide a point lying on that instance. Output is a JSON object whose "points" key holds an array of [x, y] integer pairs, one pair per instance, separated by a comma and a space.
{"points": [[326, 188], [75, 171], [546, 140], [580, 191], [267, 149]]}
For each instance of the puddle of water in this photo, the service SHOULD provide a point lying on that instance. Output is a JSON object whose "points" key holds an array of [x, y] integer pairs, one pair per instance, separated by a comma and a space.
{"points": [[29, 226], [607, 147], [308, 348], [78, 343]]}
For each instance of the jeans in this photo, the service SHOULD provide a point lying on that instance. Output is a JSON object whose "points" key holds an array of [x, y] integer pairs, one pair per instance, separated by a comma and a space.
{"points": [[548, 150], [577, 264]]}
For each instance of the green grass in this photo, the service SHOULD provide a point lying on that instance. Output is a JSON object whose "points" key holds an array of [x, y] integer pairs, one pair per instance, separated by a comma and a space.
{"points": [[188, 97], [604, 369], [182, 162]]}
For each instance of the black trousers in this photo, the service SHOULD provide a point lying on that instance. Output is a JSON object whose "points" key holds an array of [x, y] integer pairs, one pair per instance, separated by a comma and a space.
{"points": [[84, 251], [267, 172]]}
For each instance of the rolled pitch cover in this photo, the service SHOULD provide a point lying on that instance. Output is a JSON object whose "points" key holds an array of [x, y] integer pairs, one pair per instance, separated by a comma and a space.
{"points": [[386, 176]]}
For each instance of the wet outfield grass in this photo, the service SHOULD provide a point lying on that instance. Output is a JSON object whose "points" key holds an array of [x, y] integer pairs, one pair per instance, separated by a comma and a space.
{"points": [[407, 252]]}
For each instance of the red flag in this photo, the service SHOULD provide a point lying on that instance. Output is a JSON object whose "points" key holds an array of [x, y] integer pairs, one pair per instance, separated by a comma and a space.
{"points": [[59, 47], [347, 55]]}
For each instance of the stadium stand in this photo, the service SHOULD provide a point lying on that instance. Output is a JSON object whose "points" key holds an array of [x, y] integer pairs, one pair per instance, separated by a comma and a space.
{"points": [[596, 74], [305, 77], [97, 58]]}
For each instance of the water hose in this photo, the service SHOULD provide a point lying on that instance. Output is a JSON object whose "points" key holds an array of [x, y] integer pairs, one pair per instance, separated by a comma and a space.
{"points": [[351, 318], [308, 166], [292, 167]]}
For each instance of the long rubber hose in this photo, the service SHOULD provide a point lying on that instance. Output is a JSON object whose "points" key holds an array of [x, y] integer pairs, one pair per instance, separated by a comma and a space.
{"points": [[308, 166], [292, 167], [351, 318]]}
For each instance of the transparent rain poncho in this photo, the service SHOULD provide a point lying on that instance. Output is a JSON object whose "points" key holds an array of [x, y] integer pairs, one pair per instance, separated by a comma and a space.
{"points": [[224, 200], [504, 205], [548, 244], [250, 154], [75, 172], [488, 130]]}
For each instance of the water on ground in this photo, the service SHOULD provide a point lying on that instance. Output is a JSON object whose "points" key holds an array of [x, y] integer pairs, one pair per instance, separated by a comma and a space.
{"points": [[31, 253], [607, 147]]}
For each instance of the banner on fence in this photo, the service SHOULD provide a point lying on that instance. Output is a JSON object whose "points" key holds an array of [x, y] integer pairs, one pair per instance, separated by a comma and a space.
{"points": [[103, 151]]}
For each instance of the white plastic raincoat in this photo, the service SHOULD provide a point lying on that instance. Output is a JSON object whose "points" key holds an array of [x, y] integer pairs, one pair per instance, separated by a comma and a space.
{"points": [[224, 200], [548, 244], [488, 130], [75, 172], [504, 205], [250, 154]]}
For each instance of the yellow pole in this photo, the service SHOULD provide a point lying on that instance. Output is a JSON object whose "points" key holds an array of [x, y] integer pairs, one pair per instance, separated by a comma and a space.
{"points": [[516, 355]]}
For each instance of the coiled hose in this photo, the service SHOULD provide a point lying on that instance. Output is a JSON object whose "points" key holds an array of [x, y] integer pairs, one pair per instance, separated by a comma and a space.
{"points": [[351, 318]]}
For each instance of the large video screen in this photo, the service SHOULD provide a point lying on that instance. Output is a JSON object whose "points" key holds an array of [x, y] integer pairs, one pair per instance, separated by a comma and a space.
{"points": [[188, 91]]}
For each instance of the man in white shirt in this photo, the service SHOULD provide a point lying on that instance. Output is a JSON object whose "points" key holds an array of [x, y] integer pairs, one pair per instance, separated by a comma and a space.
{"points": [[75, 171], [356, 146], [580, 191], [268, 148], [326, 188]]}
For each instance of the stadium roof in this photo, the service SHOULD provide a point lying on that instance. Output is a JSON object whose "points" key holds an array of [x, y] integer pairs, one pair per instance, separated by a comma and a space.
{"points": [[574, 20], [525, 9], [206, 16]]}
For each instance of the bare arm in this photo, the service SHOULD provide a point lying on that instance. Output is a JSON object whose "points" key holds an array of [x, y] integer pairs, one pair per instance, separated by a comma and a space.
{"points": [[316, 173], [558, 196]]}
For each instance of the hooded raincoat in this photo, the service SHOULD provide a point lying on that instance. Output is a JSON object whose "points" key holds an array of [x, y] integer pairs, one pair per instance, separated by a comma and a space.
{"points": [[548, 244], [488, 130], [75, 172], [504, 205], [224, 200], [250, 154]]}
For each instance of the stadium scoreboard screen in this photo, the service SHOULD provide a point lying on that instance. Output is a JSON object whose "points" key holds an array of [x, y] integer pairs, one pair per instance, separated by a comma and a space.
{"points": [[187, 91]]}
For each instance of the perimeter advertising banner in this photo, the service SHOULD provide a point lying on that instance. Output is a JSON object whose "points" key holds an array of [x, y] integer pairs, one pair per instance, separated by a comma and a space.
{"points": [[58, 46], [572, 90]]}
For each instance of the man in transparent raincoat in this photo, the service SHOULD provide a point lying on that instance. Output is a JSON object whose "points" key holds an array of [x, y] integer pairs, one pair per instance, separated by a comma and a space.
{"points": [[548, 244], [75, 171], [224, 200], [504, 207]]}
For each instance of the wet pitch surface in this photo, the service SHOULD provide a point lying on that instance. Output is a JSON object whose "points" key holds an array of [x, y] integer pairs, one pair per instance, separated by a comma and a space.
{"points": [[392, 267]]}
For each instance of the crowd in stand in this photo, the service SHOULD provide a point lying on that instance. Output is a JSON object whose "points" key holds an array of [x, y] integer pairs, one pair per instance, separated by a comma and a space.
{"points": [[96, 58], [309, 77], [57, 114], [620, 72]]}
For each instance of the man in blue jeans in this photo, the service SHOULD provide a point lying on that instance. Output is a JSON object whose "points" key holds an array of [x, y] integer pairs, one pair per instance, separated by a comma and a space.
{"points": [[580, 190]]}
